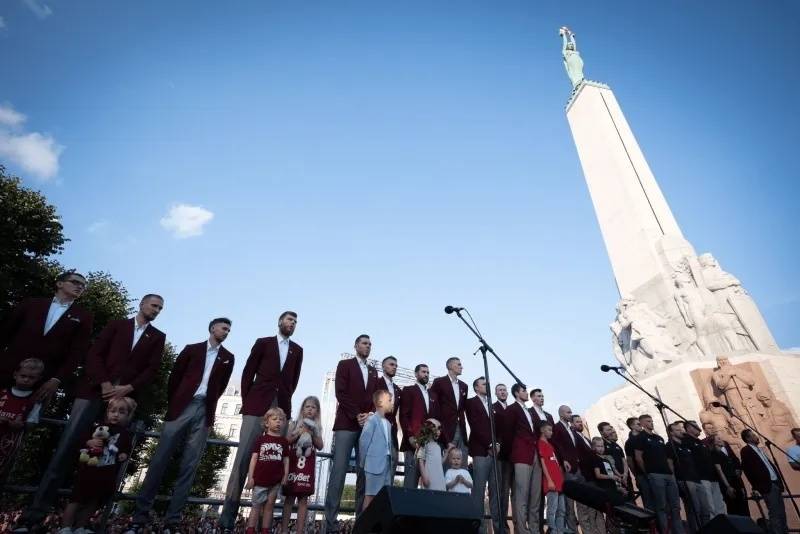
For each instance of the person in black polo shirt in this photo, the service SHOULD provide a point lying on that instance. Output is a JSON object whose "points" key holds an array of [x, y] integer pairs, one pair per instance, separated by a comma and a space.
{"points": [[651, 458], [705, 468], [681, 459], [641, 479], [612, 448]]}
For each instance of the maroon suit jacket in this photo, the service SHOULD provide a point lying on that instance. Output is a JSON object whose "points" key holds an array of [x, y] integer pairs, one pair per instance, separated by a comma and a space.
{"points": [[186, 375], [585, 456], [563, 445], [392, 417], [111, 359], [480, 432], [62, 349], [756, 472], [413, 413], [536, 419], [263, 379], [450, 415], [523, 445], [504, 435], [353, 396]]}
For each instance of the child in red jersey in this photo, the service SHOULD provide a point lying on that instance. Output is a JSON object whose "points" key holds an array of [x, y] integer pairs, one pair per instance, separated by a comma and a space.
{"points": [[16, 405], [302, 461], [552, 480], [269, 470], [96, 481]]}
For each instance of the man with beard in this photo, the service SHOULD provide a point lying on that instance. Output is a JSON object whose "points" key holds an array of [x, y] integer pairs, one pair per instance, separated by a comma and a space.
{"points": [[269, 380], [591, 520], [417, 406], [641, 479], [613, 449], [389, 365], [198, 378], [121, 363]]}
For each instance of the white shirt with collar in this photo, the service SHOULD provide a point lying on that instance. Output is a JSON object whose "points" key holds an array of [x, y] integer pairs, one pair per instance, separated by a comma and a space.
{"points": [[138, 331], [456, 389], [211, 356], [773, 476], [569, 430], [389, 386], [485, 403], [283, 348], [540, 412], [425, 396], [54, 313], [527, 413], [503, 404], [362, 364]]}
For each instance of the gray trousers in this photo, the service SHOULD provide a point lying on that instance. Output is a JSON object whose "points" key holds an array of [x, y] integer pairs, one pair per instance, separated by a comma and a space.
{"points": [[483, 475], [344, 443], [715, 499], [83, 414], [410, 470], [694, 501], [460, 443], [776, 510], [646, 492], [667, 502], [251, 429], [527, 497], [191, 425], [506, 484]]}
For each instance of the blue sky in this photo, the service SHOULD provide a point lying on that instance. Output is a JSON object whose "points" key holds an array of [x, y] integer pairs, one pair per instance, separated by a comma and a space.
{"points": [[367, 163]]}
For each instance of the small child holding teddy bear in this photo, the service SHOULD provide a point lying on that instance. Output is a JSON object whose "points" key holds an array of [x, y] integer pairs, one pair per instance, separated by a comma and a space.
{"points": [[107, 446]]}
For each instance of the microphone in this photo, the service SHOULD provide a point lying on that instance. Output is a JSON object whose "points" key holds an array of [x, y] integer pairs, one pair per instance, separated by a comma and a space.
{"points": [[607, 368], [716, 404], [450, 309]]}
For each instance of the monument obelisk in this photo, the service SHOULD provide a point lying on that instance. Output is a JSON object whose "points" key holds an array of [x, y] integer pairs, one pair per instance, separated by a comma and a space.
{"points": [[682, 325]]}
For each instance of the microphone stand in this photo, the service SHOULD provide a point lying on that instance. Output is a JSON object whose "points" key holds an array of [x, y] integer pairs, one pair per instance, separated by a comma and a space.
{"points": [[485, 348], [662, 409], [770, 444]]}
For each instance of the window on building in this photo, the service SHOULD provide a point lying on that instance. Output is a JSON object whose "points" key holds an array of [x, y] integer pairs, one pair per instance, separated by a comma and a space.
{"points": [[224, 409]]}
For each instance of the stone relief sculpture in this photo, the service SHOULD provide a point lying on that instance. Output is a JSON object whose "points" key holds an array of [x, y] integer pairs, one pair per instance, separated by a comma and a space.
{"points": [[775, 418], [572, 58], [640, 338], [735, 386]]}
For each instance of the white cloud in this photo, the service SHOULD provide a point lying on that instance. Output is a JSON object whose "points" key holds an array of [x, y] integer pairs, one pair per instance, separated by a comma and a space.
{"points": [[34, 152], [40, 9], [185, 221], [2, 23], [97, 227], [8, 115]]}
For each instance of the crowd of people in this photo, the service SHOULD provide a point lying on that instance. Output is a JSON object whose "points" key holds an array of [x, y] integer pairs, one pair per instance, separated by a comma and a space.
{"points": [[443, 432]]}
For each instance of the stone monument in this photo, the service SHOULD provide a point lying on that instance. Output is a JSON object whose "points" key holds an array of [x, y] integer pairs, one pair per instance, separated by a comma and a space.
{"points": [[685, 328]]}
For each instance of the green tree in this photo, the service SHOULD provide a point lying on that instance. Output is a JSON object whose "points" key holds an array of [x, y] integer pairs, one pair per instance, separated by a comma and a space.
{"points": [[30, 233]]}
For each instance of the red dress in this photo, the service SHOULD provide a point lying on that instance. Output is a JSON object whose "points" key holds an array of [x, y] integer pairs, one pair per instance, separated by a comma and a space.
{"points": [[301, 474], [548, 455], [98, 483], [12, 407]]}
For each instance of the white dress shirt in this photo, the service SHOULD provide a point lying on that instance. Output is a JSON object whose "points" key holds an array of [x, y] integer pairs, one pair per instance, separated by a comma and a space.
{"points": [[57, 309], [540, 412], [283, 348], [424, 391], [456, 389], [211, 355], [772, 474], [485, 403], [138, 331], [569, 431], [362, 364], [527, 413], [389, 386], [387, 432]]}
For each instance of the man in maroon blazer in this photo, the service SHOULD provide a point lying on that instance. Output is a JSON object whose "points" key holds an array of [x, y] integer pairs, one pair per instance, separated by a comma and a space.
{"points": [[527, 467], [565, 441], [451, 393], [386, 382], [198, 379], [54, 330], [482, 451], [504, 464], [537, 409], [418, 405], [269, 380], [121, 363], [764, 479], [356, 381]]}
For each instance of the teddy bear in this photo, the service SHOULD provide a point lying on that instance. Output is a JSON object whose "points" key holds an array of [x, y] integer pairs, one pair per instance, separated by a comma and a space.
{"points": [[91, 456], [305, 443]]}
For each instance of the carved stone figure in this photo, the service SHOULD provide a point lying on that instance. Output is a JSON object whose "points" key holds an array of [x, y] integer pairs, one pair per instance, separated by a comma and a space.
{"points": [[736, 388], [640, 337], [715, 278], [776, 420], [714, 332], [572, 58], [724, 424], [726, 288]]}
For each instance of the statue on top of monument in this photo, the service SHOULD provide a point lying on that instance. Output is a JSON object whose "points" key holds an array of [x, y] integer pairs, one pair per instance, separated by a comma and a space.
{"points": [[572, 58], [715, 278], [640, 338]]}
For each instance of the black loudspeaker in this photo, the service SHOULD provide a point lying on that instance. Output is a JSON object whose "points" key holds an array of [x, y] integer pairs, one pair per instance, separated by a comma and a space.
{"points": [[401, 510], [592, 496], [621, 516], [731, 524]]}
